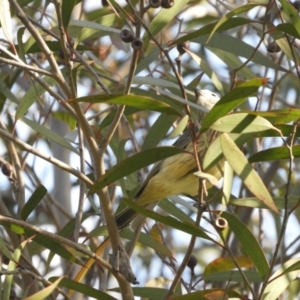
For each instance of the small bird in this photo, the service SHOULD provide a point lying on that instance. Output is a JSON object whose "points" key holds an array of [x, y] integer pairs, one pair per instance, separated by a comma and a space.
{"points": [[174, 175], [171, 176]]}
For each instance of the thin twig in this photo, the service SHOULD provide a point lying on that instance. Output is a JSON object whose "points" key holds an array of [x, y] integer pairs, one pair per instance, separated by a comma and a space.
{"points": [[43, 46], [65, 167]]}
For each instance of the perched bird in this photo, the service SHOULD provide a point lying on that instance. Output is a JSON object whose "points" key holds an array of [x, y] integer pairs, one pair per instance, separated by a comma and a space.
{"points": [[171, 176], [174, 175]]}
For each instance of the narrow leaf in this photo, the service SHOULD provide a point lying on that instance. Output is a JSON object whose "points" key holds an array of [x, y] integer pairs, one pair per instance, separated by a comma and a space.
{"points": [[226, 264], [5, 20], [249, 243], [235, 276], [291, 14], [227, 183], [31, 96], [254, 202], [242, 123], [276, 153], [213, 294], [231, 100], [130, 100], [163, 18], [83, 288], [172, 222], [44, 293], [280, 116], [4, 250], [12, 265], [239, 48], [134, 163], [49, 134], [214, 152], [158, 131], [281, 280], [206, 30], [244, 170], [66, 11], [36, 197], [237, 11]]}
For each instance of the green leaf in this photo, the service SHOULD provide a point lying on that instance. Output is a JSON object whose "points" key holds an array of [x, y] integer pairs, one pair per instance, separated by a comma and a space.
{"points": [[150, 293], [179, 129], [170, 208], [49, 134], [289, 29], [254, 202], [31, 46], [4, 250], [130, 100], [163, 18], [210, 294], [66, 11], [244, 170], [65, 117], [227, 183], [134, 163], [237, 11], [32, 95], [226, 264], [276, 153], [67, 231], [279, 116], [207, 29], [235, 276], [170, 221], [147, 241], [249, 244], [6, 92], [207, 70], [12, 265], [42, 240], [234, 45], [242, 123], [36, 197], [5, 20], [83, 289], [232, 100], [280, 280], [44, 293], [89, 29], [158, 130], [291, 14], [214, 153], [237, 47]]}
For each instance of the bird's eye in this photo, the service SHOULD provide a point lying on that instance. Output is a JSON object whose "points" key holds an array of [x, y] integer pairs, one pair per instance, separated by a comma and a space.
{"points": [[214, 95]]}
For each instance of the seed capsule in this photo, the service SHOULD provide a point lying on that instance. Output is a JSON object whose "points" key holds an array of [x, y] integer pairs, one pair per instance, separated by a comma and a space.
{"points": [[167, 3], [182, 46], [137, 44], [273, 47], [221, 223], [127, 36], [155, 3], [192, 262], [7, 170]]}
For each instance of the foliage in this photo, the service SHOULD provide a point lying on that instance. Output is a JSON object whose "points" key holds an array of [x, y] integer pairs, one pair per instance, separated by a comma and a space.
{"points": [[81, 95]]}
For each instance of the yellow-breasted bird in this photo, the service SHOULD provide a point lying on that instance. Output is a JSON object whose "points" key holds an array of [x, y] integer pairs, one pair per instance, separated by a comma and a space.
{"points": [[174, 175], [171, 176]]}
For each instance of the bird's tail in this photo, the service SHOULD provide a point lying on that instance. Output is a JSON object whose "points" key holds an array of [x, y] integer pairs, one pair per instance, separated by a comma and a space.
{"points": [[124, 218]]}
